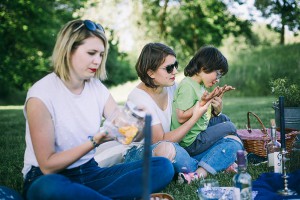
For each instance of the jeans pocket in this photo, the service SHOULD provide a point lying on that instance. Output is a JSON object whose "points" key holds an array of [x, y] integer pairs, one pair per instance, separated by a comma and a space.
{"points": [[33, 174]]}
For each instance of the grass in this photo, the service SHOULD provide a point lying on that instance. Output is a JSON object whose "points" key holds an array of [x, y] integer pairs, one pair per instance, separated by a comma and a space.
{"points": [[12, 142]]}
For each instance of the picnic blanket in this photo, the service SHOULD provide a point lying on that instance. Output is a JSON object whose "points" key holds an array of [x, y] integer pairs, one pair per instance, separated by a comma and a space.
{"points": [[268, 184]]}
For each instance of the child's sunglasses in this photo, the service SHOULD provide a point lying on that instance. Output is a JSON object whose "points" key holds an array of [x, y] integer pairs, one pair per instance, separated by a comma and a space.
{"points": [[219, 74], [91, 26], [170, 68]]}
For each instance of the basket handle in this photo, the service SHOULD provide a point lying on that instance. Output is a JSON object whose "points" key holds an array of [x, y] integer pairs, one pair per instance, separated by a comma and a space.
{"points": [[264, 130]]}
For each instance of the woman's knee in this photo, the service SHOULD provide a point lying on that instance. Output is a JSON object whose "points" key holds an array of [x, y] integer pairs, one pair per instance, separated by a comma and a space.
{"points": [[163, 164], [46, 187], [165, 149]]}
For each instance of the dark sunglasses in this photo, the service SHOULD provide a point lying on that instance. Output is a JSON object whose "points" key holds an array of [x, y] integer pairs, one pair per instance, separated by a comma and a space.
{"points": [[170, 68], [91, 26]]}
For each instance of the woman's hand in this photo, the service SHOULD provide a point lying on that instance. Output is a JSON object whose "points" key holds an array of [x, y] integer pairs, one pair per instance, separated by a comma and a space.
{"points": [[102, 137], [200, 109]]}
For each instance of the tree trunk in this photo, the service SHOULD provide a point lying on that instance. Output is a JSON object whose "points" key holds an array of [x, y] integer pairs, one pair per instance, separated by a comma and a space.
{"points": [[282, 34], [162, 19], [283, 22]]}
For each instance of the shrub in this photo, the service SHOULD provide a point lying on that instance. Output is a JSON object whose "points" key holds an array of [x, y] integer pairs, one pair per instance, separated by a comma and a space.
{"points": [[290, 91]]}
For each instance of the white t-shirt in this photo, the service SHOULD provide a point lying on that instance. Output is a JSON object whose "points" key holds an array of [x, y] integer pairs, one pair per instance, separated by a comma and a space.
{"points": [[75, 117], [141, 98]]}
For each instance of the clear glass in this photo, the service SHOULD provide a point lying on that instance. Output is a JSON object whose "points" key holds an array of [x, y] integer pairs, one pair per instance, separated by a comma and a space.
{"points": [[243, 182], [273, 152], [209, 189]]}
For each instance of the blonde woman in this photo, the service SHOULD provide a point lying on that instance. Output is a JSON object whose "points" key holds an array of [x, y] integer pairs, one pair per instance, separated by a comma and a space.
{"points": [[63, 113]]}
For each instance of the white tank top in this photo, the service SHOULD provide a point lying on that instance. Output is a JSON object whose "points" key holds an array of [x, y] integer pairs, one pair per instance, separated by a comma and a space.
{"points": [[75, 117]]}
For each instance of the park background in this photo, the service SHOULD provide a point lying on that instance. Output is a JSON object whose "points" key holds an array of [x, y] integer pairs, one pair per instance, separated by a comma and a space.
{"points": [[259, 39]]}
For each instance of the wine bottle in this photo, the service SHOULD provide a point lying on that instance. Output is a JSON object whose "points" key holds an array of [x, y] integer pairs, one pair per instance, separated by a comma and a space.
{"points": [[273, 151], [242, 180]]}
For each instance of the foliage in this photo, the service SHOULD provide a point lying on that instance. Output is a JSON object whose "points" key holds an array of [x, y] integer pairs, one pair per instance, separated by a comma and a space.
{"points": [[28, 31], [12, 140], [251, 71], [290, 91], [282, 14], [118, 67], [187, 25]]}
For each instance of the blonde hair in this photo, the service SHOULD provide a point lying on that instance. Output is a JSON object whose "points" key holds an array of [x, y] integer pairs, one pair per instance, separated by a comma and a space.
{"points": [[68, 41]]}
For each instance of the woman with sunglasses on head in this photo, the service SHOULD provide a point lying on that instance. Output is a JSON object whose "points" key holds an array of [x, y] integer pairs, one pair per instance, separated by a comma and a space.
{"points": [[156, 68], [63, 114], [212, 140]]}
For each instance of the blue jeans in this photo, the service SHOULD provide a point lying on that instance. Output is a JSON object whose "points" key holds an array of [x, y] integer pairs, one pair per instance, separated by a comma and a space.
{"points": [[219, 156], [218, 127], [8, 193], [182, 161], [88, 181]]}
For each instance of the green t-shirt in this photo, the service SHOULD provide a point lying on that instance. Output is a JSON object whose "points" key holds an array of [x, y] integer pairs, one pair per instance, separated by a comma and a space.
{"points": [[186, 95]]}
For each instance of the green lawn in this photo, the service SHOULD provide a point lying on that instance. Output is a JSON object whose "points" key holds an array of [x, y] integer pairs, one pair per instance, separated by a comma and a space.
{"points": [[12, 132]]}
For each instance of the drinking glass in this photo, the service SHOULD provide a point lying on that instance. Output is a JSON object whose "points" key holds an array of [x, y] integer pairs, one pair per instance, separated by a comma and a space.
{"points": [[209, 189]]}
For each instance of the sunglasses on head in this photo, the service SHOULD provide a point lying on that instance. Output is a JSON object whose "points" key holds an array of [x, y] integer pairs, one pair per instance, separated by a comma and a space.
{"points": [[170, 68], [90, 25]]}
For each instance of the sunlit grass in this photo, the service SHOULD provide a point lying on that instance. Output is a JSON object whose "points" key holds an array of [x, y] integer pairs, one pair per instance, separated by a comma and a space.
{"points": [[11, 107]]}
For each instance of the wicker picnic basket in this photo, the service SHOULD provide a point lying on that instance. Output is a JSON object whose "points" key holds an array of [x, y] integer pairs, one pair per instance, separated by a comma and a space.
{"points": [[256, 140]]}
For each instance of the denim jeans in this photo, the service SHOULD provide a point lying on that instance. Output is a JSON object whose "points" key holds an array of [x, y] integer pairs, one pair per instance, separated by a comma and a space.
{"points": [[218, 127], [182, 162], [88, 181], [219, 156], [9, 193]]}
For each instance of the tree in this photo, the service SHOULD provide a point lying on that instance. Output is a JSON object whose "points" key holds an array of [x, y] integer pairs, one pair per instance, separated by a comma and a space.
{"points": [[118, 67], [187, 25], [282, 14], [28, 30]]}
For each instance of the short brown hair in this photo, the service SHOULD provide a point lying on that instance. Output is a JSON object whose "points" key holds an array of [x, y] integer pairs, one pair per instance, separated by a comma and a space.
{"points": [[151, 57], [208, 59]]}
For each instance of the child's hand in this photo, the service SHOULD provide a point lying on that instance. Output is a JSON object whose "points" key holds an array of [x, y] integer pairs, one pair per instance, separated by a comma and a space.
{"points": [[217, 92], [217, 105], [208, 96], [224, 89]]}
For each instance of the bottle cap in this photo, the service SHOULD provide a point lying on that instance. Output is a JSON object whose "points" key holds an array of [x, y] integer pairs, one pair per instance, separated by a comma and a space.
{"points": [[241, 159]]}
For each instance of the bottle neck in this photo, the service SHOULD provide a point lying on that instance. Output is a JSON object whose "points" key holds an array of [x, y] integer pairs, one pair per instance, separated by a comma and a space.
{"points": [[242, 168], [273, 134]]}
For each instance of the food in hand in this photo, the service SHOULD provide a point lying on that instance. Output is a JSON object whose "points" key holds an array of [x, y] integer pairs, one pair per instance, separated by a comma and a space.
{"points": [[225, 88], [217, 92], [129, 132]]}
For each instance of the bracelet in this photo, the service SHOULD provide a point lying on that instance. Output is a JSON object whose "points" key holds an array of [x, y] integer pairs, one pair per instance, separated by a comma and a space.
{"points": [[91, 138]]}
